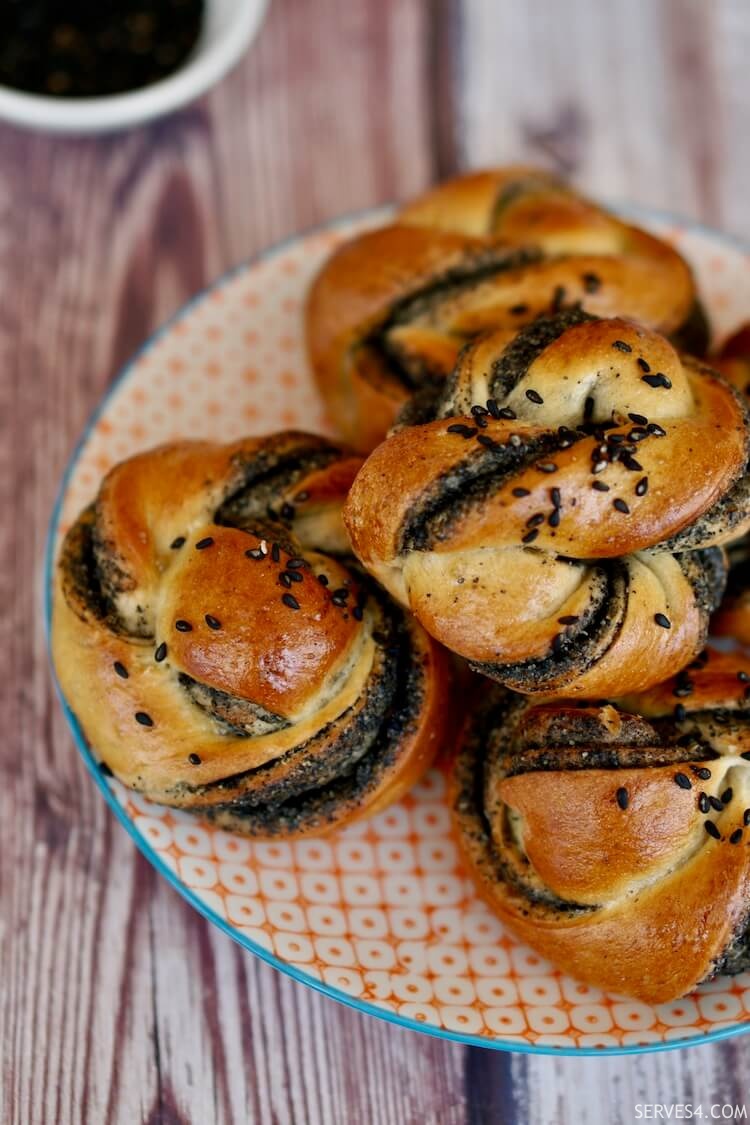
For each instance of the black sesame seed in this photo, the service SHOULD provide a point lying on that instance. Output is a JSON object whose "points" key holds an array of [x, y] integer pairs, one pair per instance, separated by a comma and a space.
{"points": [[622, 346], [663, 620], [743, 677], [296, 563], [121, 670], [639, 419], [658, 380], [478, 411], [569, 619], [255, 553], [621, 506], [656, 430], [275, 552], [493, 408], [285, 580], [294, 576], [357, 613], [287, 511], [521, 492], [600, 486], [177, 543], [557, 644], [680, 713], [683, 781], [736, 836], [203, 543], [554, 518], [519, 310], [534, 396], [290, 600], [144, 719], [588, 408], [703, 804], [715, 804], [703, 773], [591, 282], [642, 487], [555, 497], [535, 520], [460, 428], [341, 592], [631, 464], [712, 829], [161, 653], [183, 626], [727, 795], [643, 364], [638, 433], [746, 817], [598, 466], [622, 797], [194, 759], [212, 622], [546, 466], [323, 579], [530, 536], [506, 412], [487, 441]]}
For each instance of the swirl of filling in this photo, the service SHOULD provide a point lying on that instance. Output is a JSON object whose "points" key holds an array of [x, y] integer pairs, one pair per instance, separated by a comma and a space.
{"points": [[224, 654]]}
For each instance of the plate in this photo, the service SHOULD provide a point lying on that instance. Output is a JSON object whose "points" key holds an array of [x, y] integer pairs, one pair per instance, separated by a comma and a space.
{"points": [[379, 915]]}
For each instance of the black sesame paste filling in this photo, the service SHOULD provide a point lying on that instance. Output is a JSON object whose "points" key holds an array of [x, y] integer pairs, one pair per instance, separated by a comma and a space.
{"points": [[574, 650], [479, 266], [81, 571], [267, 474], [513, 364], [316, 801], [471, 481]]}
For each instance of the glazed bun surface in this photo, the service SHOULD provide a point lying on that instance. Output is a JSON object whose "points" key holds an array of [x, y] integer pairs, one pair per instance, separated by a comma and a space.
{"points": [[223, 653], [614, 837]]}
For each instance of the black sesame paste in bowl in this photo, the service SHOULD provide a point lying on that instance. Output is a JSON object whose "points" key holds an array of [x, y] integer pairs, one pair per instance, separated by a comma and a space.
{"points": [[94, 48]]}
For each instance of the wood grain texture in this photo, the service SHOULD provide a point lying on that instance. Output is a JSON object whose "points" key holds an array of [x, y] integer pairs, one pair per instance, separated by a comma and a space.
{"points": [[117, 1002]]}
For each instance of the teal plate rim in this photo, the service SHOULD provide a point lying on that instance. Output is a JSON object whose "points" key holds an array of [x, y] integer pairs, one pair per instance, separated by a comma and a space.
{"points": [[642, 213]]}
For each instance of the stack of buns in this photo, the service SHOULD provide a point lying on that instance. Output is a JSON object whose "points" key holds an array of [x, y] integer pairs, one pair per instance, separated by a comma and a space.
{"points": [[541, 476]]}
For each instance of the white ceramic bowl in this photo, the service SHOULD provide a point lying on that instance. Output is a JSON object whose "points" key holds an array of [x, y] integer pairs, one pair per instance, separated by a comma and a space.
{"points": [[229, 26]]}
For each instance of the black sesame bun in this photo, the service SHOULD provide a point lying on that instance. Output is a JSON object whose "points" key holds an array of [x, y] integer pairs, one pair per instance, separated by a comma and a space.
{"points": [[615, 837], [224, 655], [391, 309], [559, 524]]}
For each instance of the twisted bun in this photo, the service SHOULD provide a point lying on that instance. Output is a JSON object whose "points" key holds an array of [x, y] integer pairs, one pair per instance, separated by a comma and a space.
{"points": [[390, 310], [561, 534], [221, 652], [614, 837]]}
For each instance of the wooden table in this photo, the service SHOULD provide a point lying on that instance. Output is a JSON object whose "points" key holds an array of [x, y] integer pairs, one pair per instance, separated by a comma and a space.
{"points": [[117, 1002]]}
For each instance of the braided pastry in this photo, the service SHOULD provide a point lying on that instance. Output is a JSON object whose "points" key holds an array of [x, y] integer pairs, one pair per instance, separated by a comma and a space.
{"points": [[733, 616], [220, 653], [561, 535], [390, 310], [614, 838]]}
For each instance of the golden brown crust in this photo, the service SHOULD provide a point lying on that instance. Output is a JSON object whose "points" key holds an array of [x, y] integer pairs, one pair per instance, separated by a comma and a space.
{"points": [[219, 659], [577, 455], [591, 843], [391, 309]]}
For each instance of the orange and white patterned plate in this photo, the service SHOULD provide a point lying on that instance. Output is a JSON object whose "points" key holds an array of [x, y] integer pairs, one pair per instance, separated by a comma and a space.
{"points": [[380, 915]]}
